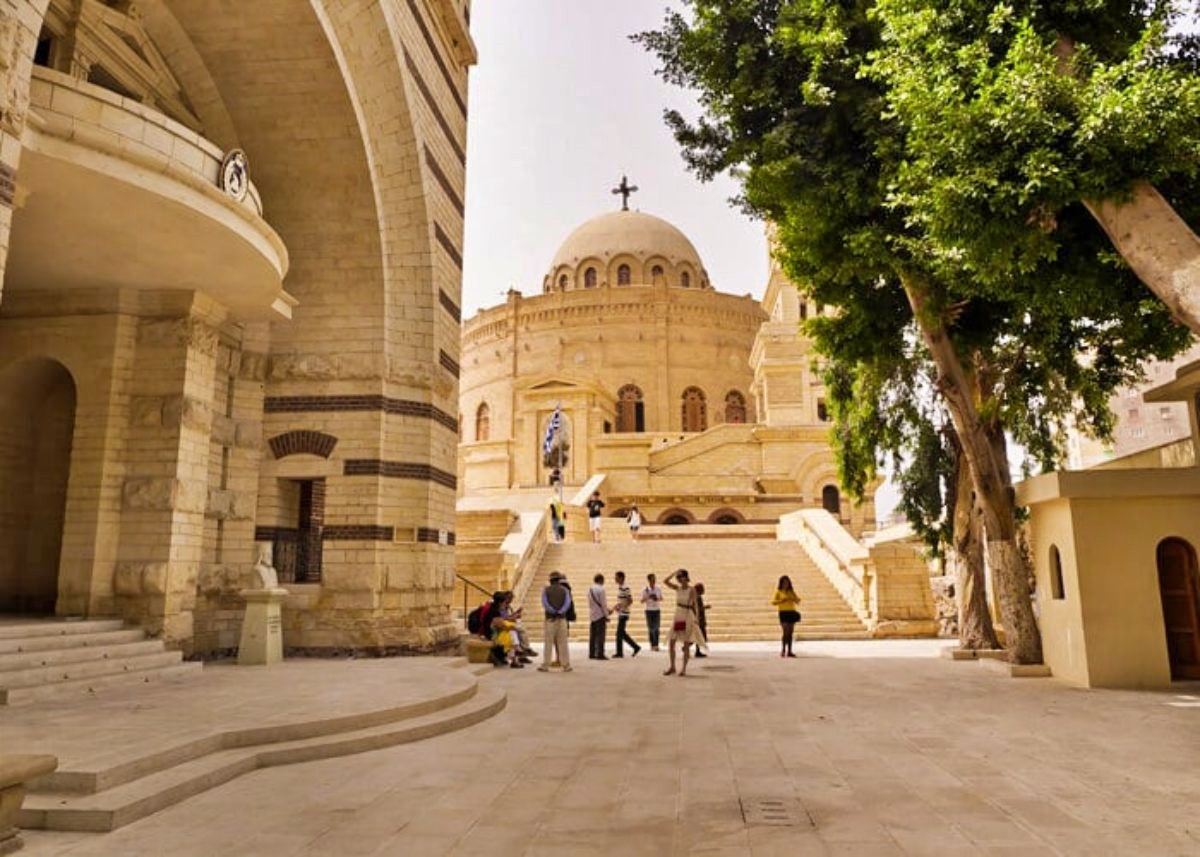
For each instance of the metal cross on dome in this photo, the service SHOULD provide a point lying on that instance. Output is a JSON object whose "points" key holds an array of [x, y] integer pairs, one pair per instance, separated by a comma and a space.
{"points": [[624, 189]]}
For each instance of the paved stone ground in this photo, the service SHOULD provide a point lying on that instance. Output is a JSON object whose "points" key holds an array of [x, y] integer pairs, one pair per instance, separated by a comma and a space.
{"points": [[888, 749]]}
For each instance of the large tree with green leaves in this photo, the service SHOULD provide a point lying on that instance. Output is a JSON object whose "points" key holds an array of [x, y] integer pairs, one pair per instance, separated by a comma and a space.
{"points": [[813, 104]]}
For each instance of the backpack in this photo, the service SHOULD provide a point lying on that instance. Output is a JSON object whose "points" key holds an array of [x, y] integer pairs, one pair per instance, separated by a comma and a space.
{"points": [[477, 619]]}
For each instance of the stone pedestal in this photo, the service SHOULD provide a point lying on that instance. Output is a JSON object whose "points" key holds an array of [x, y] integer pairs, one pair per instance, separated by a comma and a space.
{"points": [[15, 772], [262, 627]]}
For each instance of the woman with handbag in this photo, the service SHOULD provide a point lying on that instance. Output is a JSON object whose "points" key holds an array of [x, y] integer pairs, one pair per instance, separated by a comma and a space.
{"points": [[684, 620], [787, 602]]}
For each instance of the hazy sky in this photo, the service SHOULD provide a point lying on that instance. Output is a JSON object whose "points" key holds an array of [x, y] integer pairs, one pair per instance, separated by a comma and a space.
{"points": [[561, 105]]}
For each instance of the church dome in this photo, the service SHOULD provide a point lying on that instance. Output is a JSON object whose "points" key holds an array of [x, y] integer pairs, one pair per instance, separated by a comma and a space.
{"points": [[626, 248]]}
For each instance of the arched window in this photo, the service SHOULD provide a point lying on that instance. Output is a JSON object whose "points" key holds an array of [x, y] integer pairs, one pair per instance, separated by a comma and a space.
{"points": [[562, 282], [589, 278], [631, 413], [482, 421], [623, 275], [804, 310], [735, 407], [1058, 590], [822, 411], [685, 280], [831, 500], [695, 410], [656, 274]]}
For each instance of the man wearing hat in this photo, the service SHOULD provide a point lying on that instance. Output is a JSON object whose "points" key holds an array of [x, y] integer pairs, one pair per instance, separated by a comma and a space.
{"points": [[556, 602]]}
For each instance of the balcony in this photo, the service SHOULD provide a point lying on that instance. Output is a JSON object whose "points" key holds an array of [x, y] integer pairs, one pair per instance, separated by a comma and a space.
{"points": [[113, 194]]}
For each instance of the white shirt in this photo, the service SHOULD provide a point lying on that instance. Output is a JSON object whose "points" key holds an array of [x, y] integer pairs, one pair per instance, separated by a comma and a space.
{"points": [[652, 597], [597, 603], [635, 518]]}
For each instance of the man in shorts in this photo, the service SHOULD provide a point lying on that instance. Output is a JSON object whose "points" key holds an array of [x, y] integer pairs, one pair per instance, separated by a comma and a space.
{"points": [[595, 507]]}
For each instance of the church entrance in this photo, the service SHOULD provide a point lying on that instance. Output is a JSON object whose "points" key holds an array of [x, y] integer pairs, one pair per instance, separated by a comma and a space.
{"points": [[1178, 585], [37, 423]]}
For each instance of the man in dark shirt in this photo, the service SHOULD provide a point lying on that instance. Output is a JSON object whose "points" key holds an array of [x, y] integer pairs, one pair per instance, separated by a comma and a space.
{"points": [[595, 506], [556, 602]]}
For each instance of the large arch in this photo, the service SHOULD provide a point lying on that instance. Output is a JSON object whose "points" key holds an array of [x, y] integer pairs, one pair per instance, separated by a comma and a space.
{"points": [[37, 424]]}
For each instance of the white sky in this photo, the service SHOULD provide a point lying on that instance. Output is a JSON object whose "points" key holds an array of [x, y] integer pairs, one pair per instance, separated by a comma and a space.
{"points": [[561, 104]]}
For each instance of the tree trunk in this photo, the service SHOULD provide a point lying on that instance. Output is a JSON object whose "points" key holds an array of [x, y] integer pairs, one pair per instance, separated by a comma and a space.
{"points": [[989, 476], [975, 629], [1158, 245]]}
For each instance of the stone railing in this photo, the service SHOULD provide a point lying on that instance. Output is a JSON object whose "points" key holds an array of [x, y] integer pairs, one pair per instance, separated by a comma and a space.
{"points": [[886, 584], [671, 449], [526, 549], [843, 560]]}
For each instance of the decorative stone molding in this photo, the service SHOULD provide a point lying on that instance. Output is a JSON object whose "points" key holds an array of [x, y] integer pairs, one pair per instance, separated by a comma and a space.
{"points": [[302, 442]]}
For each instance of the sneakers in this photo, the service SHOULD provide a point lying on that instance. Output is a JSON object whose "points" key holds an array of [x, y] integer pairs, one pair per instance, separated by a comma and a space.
{"points": [[635, 652]]}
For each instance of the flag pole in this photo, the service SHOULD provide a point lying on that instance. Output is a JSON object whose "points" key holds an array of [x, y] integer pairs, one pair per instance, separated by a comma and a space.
{"points": [[561, 477]]}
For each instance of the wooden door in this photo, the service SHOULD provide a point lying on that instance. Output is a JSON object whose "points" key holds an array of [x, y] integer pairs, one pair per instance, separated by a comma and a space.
{"points": [[1178, 586]]}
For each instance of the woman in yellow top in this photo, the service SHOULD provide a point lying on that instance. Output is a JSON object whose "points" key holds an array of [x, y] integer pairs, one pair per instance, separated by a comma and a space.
{"points": [[788, 603]]}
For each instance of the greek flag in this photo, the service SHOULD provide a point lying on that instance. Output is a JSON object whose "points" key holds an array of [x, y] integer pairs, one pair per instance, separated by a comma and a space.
{"points": [[552, 429]]}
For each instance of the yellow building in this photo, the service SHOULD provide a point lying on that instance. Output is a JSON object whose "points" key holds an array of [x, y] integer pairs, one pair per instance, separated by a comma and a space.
{"points": [[697, 405], [1118, 586], [230, 241]]}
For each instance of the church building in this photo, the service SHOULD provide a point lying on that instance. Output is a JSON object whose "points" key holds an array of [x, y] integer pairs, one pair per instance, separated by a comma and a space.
{"points": [[700, 406]]}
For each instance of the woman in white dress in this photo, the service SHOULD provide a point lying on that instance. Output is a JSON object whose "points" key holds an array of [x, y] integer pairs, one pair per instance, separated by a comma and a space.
{"points": [[683, 623]]}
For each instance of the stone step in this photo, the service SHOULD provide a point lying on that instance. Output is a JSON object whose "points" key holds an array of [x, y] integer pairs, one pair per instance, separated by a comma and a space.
{"points": [[45, 643], [57, 628], [92, 684], [29, 660], [115, 807], [77, 670]]}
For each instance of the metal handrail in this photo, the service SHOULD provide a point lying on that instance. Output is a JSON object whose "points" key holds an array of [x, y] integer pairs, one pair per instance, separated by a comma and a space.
{"points": [[472, 584]]}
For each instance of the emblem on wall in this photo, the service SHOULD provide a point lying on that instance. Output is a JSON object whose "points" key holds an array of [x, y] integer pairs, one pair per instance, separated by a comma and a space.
{"points": [[235, 174]]}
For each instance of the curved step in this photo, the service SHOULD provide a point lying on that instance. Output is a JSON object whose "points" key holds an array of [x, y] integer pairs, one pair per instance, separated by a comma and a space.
{"points": [[127, 803]]}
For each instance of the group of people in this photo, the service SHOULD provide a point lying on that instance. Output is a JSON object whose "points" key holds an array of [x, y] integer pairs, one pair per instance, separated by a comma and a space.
{"points": [[595, 515], [688, 624]]}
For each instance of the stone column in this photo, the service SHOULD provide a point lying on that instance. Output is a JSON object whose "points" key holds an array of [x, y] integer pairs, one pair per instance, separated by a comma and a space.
{"points": [[20, 22], [166, 484]]}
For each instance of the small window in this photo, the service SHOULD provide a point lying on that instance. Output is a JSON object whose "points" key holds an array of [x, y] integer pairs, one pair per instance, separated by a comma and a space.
{"points": [[822, 411], [1057, 590], [44, 51], [562, 283], [803, 311], [623, 275], [695, 410], [735, 407], [483, 422], [685, 280], [656, 274], [831, 500], [589, 278]]}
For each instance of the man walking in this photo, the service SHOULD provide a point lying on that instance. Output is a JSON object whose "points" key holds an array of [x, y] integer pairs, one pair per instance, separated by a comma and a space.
{"points": [[598, 613], [652, 597], [624, 603], [595, 507], [556, 602]]}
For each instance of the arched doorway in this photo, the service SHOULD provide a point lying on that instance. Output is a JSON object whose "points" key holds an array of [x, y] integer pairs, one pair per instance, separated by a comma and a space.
{"points": [[831, 500], [37, 422], [1178, 586]]}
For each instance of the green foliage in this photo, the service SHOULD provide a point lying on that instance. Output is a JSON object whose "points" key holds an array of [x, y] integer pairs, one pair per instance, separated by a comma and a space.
{"points": [[948, 138]]}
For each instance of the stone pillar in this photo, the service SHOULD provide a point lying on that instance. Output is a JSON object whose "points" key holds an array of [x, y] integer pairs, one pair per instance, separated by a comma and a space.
{"points": [[20, 22], [166, 486]]}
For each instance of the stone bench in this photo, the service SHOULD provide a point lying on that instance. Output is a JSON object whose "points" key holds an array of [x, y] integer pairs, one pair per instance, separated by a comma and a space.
{"points": [[15, 772], [477, 650]]}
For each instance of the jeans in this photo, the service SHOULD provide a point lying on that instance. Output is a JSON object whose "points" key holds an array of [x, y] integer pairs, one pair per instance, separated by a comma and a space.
{"points": [[623, 636], [653, 617], [596, 633]]}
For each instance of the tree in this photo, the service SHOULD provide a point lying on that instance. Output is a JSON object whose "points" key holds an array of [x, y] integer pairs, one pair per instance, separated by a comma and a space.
{"points": [[797, 99]]}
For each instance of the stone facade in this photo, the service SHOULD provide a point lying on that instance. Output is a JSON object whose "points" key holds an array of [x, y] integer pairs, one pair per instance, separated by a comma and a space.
{"points": [[699, 406], [189, 365]]}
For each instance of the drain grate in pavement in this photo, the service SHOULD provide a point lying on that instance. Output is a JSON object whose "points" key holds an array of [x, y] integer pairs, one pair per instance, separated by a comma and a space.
{"points": [[780, 812]]}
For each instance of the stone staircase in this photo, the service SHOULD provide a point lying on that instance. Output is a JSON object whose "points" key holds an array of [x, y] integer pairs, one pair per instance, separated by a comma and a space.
{"points": [[43, 659], [739, 577]]}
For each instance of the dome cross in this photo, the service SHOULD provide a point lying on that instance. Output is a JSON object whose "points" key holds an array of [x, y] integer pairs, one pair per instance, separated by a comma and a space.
{"points": [[624, 189]]}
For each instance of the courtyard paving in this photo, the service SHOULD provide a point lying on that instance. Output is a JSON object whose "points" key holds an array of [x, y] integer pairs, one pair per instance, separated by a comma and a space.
{"points": [[866, 748]]}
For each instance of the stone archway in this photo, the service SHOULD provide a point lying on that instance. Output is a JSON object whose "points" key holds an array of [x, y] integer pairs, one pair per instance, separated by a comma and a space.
{"points": [[1179, 589], [37, 424]]}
